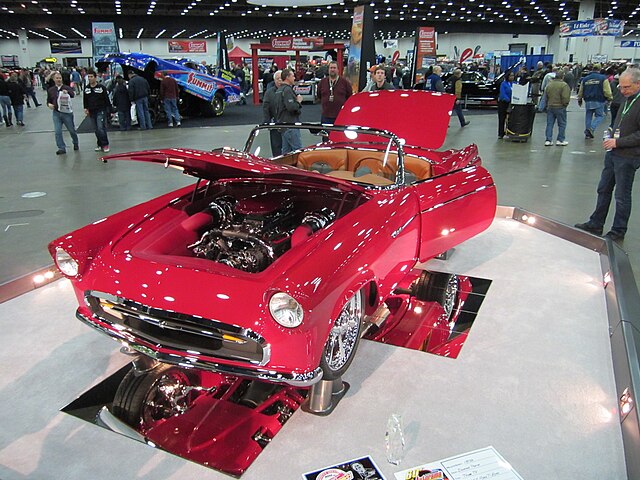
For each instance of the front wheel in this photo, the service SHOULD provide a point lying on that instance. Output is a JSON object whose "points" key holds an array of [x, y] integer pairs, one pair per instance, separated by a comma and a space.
{"points": [[146, 397], [343, 339]]}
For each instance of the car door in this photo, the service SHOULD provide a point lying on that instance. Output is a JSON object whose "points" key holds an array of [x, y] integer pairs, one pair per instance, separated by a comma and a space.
{"points": [[453, 208]]}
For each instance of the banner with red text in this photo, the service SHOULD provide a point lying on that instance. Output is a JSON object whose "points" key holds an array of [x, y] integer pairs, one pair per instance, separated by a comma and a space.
{"points": [[297, 43], [187, 46], [425, 48]]}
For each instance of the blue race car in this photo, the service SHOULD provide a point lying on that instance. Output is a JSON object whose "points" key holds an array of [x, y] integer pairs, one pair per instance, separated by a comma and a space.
{"points": [[200, 92]]}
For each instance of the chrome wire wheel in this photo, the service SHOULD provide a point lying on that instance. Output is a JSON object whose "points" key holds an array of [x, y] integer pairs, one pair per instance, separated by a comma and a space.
{"points": [[343, 338], [169, 396], [450, 296]]}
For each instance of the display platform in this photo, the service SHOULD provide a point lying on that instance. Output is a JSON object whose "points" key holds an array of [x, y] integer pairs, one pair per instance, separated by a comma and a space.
{"points": [[224, 422], [534, 380]]}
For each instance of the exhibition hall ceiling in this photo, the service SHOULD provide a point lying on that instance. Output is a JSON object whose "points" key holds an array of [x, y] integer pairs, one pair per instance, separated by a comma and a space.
{"points": [[241, 19]]}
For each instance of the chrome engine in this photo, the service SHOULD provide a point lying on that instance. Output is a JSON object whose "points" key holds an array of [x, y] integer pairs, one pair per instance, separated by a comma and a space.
{"points": [[250, 233]]}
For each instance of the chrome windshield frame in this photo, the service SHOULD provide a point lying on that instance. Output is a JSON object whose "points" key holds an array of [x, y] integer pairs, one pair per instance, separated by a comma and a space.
{"points": [[321, 127]]}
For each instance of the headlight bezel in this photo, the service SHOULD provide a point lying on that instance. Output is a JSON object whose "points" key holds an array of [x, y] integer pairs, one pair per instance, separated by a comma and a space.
{"points": [[285, 310], [65, 262]]}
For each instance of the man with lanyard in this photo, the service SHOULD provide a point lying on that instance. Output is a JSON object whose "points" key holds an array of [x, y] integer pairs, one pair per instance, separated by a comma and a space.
{"points": [[596, 92], [379, 81], [59, 101], [620, 162], [96, 106], [288, 111], [333, 92], [433, 83]]}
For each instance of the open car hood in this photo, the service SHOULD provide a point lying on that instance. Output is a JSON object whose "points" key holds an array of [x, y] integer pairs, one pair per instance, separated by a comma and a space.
{"points": [[216, 165], [420, 118]]}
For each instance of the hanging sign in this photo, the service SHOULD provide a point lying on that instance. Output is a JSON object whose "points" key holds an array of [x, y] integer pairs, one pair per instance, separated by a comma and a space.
{"points": [[65, 46], [187, 46], [104, 40], [592, 28]]}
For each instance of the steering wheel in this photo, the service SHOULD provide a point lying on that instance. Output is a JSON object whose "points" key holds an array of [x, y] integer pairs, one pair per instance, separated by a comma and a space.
{"points": [[376, 167]]}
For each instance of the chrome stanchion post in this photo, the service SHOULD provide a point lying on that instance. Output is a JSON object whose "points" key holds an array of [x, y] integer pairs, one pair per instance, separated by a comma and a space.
{"points": [[324, 396]]}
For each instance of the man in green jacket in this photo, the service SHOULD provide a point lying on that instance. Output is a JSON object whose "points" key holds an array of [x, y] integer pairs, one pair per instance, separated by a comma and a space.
{"points": [[558, 95]]}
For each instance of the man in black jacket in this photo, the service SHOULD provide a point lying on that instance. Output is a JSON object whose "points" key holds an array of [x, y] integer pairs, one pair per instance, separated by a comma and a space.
{"points": [[96, 107], [270, 112], [289, 107], [620, 162], [139, 92]]}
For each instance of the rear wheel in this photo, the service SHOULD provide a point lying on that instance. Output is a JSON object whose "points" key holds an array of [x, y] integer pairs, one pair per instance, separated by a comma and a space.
{"points": [[215, 107], [442, 288], [343, 339]]}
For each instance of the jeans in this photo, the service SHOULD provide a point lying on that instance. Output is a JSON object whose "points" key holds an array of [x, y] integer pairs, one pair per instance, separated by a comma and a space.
{"points": [[124, 119], [32, 93], [5, 103], [618, 172], [142, 110], [614, 113], [171, 110], [19, 111], [559, 114], [65, 119], [594, 114], [457, 107], [275, 138], [291, 140], [99, 121]]}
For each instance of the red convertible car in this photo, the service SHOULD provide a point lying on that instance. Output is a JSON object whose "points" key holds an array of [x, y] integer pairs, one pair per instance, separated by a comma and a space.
{"points": [[269, 267]]}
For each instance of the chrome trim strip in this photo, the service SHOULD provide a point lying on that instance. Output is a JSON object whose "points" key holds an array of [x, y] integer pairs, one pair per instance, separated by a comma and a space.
{"points": [[305, 379], [399, 230], [483, 187]]}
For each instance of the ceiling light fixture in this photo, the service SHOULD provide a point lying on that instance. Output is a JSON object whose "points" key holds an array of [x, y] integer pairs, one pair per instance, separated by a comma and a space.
{"points": [[54, 32], [79, 32], [291, 3]]}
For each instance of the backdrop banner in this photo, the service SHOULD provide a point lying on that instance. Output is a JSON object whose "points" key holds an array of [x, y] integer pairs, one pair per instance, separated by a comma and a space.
{"points": [[362, 52]]}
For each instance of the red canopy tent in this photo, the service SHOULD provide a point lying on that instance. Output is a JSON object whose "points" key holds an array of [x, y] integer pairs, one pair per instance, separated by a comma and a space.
{"points": [[237, 55]]}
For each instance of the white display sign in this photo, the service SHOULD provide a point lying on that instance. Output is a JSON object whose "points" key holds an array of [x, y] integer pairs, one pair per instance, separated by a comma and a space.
{"points": [[477, 465], [519, 94]]}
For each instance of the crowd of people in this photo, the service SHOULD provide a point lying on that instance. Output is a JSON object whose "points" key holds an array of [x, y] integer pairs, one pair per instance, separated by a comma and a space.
{"points": [[598, 88]]}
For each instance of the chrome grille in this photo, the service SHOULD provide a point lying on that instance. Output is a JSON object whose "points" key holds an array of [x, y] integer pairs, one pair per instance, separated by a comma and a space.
{"points": [[189, 334]]}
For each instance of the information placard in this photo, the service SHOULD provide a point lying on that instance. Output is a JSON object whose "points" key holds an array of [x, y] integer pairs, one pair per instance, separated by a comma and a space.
{"points": [[477, 465]]}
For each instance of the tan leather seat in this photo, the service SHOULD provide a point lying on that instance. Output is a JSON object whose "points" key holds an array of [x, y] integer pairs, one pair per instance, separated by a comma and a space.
{"points": [[420, 169], [364, 162], [323, 160]]}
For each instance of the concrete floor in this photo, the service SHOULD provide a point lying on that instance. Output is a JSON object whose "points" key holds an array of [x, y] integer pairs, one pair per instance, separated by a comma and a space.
{"points": [[558, 182], [534, 379]]}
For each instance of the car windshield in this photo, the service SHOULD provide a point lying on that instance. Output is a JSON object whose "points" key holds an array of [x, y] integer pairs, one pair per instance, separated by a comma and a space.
{"points": [[362, 155]]}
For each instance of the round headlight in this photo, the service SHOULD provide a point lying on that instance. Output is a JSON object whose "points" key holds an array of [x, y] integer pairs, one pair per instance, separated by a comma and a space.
{"points": [[66, 263], [286, 310]]}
